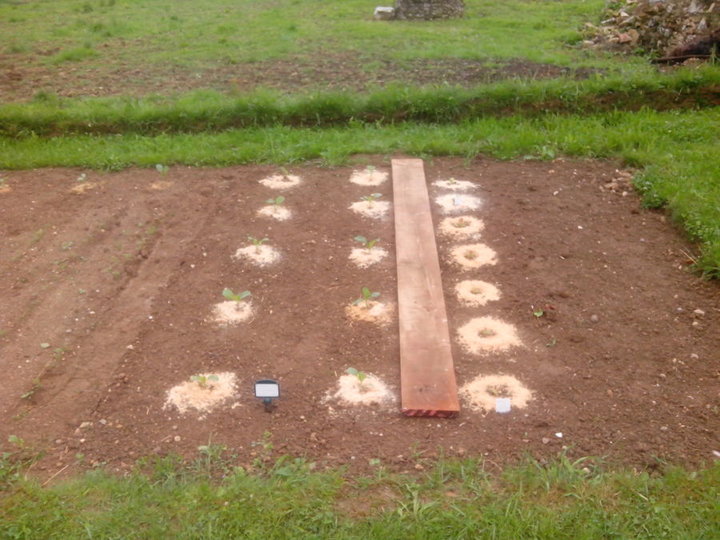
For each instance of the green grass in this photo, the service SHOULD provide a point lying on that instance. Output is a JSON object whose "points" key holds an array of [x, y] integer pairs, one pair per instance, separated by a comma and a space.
{"points": [[213, 111], [455, 499], [676, 150], [157, 35]]}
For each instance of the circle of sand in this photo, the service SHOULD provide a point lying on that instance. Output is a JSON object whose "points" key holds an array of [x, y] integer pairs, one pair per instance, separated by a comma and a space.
{"points": [[4, 188], [364, 257], [371, 209], [461, 226], [487, 334], [231, 312], [371, 391], [369, 177], [262, 255], [482, 393], [454, 185], [83, 187], [452, 203], [276, 212], [476, 293], [280, 181], [473, 255], [160, 185], [372, 312], [202, 398]]}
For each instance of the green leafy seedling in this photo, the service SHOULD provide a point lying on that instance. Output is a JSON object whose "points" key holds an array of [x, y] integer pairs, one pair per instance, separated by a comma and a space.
{"points": [[367, 295], [367, 244], [277, 201], [370, 199], [227, 293], [452, 181], [204, 380], [539, 312], [361, 375], [257, 242]]}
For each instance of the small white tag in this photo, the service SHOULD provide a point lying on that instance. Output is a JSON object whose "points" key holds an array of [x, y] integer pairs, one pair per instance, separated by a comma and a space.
{"points": [[502, 405]]}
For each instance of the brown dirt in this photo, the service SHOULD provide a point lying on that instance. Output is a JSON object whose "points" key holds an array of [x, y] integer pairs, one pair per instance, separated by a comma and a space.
{"points": [[119, 281], [23, 75]]}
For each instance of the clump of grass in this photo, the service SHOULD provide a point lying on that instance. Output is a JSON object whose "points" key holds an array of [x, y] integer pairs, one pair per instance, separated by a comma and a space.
{"points": [[77, 54]]}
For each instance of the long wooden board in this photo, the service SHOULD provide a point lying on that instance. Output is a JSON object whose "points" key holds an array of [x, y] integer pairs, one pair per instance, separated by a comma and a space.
{"points": [[427, 374]]}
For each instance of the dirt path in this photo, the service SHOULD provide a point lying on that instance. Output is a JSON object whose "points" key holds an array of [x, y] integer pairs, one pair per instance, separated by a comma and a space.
{"points": [[108, 292]]}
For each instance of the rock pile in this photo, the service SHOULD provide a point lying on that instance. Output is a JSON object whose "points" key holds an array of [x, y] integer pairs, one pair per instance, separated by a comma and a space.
{"points": [[429, 9], [664, 27]]}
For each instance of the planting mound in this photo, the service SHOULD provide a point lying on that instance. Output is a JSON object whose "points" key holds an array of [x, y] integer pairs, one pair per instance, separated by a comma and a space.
{"points": [[483, 392], [108, 298], [369, 177], [281, 181], [363, 257], [471, 256], [352, 391], [487, 334], [461, 227], [453, 203], [206, 392], [476, 293]]}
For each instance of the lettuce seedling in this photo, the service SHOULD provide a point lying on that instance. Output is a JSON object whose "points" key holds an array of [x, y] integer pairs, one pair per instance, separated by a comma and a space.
{"points": [[203, 380], [367, 295], [277, 201], [227, 293], [370, 199], [361, 376], [367, 244], [257, 242]]}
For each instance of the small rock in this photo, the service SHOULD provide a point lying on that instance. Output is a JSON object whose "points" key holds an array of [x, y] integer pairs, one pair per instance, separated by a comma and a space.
{"points": [[663, 428], [594, 318], [698, 312], [176, 438], [694, 356], [545, 440], [86, 425]]}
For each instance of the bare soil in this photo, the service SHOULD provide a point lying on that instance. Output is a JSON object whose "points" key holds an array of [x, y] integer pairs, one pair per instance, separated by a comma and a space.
{"points": [[106, 295], [24, 75]]}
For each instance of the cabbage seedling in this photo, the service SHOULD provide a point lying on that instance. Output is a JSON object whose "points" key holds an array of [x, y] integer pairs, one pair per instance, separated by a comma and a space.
{"points": [[277, 201], [361, 376], [257, 242], [367, 295], [370, 199], [367, 244], [203, 380], [227, 293]]}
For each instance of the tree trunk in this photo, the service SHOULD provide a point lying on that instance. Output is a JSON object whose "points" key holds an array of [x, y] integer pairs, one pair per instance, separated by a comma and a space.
{"points": [[429, 9]]}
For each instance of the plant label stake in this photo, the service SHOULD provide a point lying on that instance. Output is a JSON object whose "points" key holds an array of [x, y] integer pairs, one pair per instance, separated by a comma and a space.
{"points": [[267, 390]]}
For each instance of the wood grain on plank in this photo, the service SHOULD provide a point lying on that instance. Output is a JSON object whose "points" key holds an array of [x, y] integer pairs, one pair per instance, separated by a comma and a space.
{"points": [[427, 374]]}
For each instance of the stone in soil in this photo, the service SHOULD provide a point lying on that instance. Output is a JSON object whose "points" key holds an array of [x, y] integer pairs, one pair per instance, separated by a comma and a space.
{"points": [[487, 334]]}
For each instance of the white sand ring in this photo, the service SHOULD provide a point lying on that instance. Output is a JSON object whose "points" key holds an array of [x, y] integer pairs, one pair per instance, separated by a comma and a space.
{"points": [[369, 177], [482, 393], [476, 293], [276, 212], [461, 227], [454, 185], [203, 394], [262, 255], [371, 311], [487, 334], [371, 209], [281, 181], [470, 256], [351, 391], [230, 313], [453, 203], [364, 257]]}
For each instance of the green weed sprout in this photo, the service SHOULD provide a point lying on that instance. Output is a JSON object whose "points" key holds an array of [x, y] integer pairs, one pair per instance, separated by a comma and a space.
{"points": [[227, 293], [367, 295], [370, 199], [361, 376], [162, 169], [204, 380], [277, 201], [367, 244]]}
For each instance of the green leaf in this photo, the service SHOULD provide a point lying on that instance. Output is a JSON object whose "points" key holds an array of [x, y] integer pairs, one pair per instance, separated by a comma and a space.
{"points": [[44, 345], [361, 239], [351, 371], [375, 295], [227, 293]]}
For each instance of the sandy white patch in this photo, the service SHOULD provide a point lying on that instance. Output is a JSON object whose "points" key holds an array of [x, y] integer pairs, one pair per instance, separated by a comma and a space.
{"points": [[454, 185], [371, 391], [461, 226], [202, 397], [160, 185], [476, 293], [453, 203], [363, 257], [369, 177], [276, 212], [487, 334], [231, 312], [371, 209], [281, 181], [83, 187], [473, 255], [481, 393], [372, 311], [259, 255], [4, 188]]}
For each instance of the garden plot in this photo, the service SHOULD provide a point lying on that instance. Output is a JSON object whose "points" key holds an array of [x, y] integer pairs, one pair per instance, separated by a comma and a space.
{"points": [[110, 296]]}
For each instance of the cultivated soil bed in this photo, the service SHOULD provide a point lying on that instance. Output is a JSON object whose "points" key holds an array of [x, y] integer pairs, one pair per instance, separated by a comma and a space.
{"points": [[108, 294]]}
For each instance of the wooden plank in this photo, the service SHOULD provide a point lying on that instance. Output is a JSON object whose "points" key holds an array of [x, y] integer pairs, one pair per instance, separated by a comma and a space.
{"points": [[427, 374]]}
